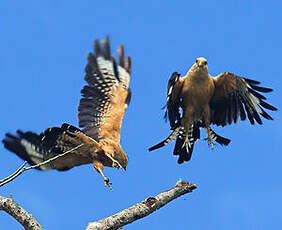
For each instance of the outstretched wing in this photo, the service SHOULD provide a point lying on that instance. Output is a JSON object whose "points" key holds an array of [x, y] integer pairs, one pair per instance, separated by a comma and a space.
{"points": [[233, 96], [173, 102], [107, 95], [35, 148], [26, 145]]}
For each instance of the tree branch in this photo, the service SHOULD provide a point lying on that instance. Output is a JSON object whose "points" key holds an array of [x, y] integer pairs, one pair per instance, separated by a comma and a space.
{"points": [[22, 168], [22, 216], [142, 209]]}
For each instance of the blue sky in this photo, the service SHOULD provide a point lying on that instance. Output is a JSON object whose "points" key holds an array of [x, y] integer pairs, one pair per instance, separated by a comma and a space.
{"points": [[44, 45]]}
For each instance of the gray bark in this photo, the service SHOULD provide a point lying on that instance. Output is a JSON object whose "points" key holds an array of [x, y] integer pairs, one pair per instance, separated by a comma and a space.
{"points": [[23, 217], [143, 208]]}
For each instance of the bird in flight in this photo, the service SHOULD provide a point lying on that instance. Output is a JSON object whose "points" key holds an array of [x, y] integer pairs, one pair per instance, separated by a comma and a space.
{"points": [[198, 100], [101, 109]]}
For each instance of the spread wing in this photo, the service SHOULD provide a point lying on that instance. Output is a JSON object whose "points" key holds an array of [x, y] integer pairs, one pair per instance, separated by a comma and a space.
{"points": [[35, 148], [173, 102], [235, 96], [107, 95]]}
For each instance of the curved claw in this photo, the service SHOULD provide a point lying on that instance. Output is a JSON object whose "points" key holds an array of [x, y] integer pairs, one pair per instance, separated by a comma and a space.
{"points": [[211, 142], [108, 183]]}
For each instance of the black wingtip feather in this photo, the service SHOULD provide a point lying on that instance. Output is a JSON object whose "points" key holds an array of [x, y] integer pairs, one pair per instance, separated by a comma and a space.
{"points": [[256, 94], [107, 48], [236, 108], [128, 64], [121, 56], [115, 68], [257, 117], [97, 48], [10, 136], [267, 106], [128, 98], [266, 115], [13, 144], [242, 111], [262, 89], [250, 117], [252, 82]]}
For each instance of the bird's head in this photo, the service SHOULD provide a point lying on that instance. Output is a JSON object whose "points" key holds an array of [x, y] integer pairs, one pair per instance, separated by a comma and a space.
{"points": [[114, 155], [120, 157], [201, 65]]}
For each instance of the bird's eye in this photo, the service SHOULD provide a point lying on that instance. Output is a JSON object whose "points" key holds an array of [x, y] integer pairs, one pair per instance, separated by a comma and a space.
{"points": [[197, 60], [205, 62]]}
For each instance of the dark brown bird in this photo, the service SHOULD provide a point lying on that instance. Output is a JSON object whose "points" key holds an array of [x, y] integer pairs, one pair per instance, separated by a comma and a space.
{"points": [[206, 100], [101, 110]]}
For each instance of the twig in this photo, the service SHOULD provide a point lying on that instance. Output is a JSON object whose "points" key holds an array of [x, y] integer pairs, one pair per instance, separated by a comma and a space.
{"points": [[22, 216], [142, 209], [21, 169], [16, 172]]}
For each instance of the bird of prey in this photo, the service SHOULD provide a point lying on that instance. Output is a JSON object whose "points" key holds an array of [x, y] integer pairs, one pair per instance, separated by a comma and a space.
{"points": [[101, 109], [198, 100]]}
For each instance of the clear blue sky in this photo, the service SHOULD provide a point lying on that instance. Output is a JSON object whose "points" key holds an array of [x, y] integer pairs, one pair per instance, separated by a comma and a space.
{"points": [[44, 45]]}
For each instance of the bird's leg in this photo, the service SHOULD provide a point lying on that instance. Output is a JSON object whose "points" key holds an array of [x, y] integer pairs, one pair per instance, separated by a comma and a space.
{"points": [[210, 137], [188, 127], [99, 167], [115, 164]]}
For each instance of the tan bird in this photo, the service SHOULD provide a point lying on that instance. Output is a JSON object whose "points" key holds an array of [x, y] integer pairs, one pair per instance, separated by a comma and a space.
{"points": [[101, 110], [207, 100]]}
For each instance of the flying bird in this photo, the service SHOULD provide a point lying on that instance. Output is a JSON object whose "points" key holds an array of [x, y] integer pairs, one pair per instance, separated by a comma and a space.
{"points": [[198, 100], [101, 109]]}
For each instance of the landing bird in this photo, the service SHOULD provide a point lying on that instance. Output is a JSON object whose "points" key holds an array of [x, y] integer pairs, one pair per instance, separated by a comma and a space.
{"points": [[206, 100], [101, 110]]}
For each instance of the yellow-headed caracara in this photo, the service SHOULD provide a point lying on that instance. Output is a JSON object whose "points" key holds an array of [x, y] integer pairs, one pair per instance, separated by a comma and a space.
{"points": [[207, 100], [101, 110]]}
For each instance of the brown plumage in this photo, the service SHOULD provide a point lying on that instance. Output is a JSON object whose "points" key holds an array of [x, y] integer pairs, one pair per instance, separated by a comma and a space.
{"points": [[205, 100], [101, 110]]}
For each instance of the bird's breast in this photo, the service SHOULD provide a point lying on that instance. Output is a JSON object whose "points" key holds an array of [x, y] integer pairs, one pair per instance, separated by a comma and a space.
{"points": [[197, 89], [196, 95]]}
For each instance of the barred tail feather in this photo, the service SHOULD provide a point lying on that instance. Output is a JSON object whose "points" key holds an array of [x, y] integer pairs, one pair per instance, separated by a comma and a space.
{"points": [[185, 144], [219, 139], [166, 141], [184, 152]]}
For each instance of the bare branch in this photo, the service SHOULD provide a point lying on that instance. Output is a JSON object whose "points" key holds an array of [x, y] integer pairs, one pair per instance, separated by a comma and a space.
{"points": [[22, 216], [142, 209], [21, 169], [15, 173]]}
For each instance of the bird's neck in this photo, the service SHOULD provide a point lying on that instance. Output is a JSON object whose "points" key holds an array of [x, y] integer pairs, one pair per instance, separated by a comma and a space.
{"points": [[198, 75]]}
